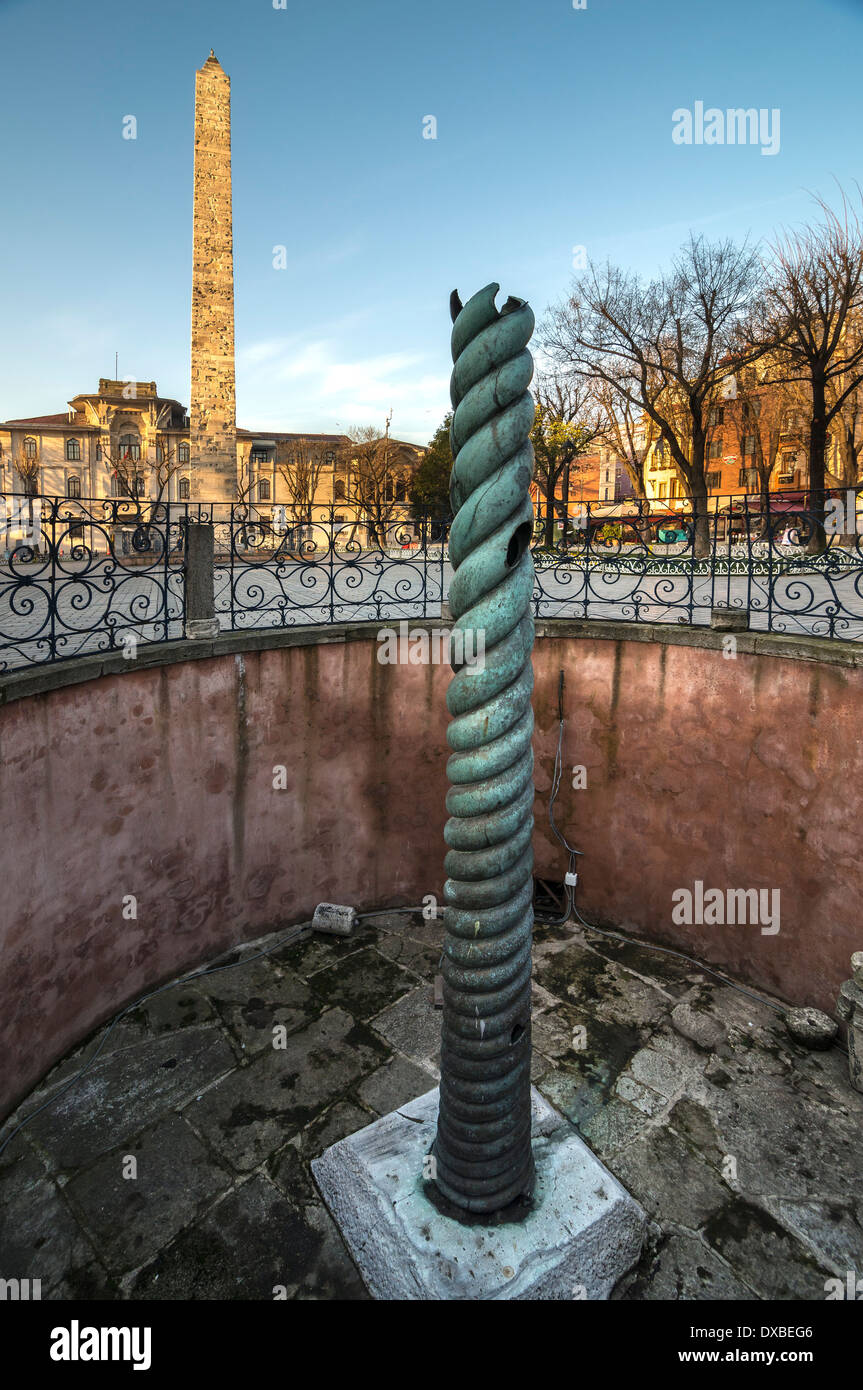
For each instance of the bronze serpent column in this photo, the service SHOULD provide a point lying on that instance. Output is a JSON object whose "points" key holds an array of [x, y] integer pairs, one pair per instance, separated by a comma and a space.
{"points": [[482, 1148]]}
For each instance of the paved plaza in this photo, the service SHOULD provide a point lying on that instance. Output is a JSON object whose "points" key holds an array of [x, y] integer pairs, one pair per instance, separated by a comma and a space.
{"points": [[744, 1149]]}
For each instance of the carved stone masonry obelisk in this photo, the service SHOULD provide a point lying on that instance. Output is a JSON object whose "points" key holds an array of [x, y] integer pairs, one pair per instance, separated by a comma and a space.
{"points": [[213, 411]]}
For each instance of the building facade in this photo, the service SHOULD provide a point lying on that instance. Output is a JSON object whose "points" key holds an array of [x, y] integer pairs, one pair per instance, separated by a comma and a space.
{"points": [[125, 441]]}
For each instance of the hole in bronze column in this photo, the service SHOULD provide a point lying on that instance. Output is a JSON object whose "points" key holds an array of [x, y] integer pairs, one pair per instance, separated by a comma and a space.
{"points": [[516, 1033], [518, 543]]}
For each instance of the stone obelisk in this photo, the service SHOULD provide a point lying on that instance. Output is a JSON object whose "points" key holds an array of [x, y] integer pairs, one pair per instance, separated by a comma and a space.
{"points": [[213, 411]]}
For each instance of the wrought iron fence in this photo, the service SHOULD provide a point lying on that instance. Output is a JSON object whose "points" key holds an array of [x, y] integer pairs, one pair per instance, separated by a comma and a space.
{"points": [[79, 576], [282, 566], [82, 576], [793, 561]]}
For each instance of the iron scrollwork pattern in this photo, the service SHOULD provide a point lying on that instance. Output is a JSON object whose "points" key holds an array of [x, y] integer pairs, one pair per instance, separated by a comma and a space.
{"points": [[81, 577]]}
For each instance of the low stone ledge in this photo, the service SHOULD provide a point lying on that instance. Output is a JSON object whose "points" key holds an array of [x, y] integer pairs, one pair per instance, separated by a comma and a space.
{"points": [[41, 680]]}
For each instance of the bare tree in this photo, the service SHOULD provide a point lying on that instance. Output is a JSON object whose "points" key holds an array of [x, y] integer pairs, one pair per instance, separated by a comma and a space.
{"points": [[624, 431], [140, 488], [301, 464], [762, 413], [813, 303], [848, 432], [666, 346], [136, 477], [244, 511], [371, 478], [28, 471]]}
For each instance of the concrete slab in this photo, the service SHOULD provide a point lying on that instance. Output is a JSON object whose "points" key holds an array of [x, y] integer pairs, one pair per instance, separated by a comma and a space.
{"points": [[582, 1235]]}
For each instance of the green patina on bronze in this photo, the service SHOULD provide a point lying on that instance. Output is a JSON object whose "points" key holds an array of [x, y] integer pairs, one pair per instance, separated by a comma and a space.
{"points": [[482, 1149]]}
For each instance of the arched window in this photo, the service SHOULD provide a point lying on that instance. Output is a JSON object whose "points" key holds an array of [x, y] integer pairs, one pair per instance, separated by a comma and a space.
{"points": [[73, 485], [388, 490], [183, 490], [264, 490], [339, 490], [401, 490], [183, 453], [73, 451], [30, 448], [130, 447]]}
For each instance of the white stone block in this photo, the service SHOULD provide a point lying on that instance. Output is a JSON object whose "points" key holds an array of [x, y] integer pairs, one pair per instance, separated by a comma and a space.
{"points": [[583, 1233]]}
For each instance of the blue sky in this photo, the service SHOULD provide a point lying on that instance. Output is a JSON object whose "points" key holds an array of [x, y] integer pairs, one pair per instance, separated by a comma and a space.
{"points": [[553, 131]]}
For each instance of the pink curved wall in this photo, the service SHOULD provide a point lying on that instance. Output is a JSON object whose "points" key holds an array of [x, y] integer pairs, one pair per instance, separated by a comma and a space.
{"points": [[158, 783]]}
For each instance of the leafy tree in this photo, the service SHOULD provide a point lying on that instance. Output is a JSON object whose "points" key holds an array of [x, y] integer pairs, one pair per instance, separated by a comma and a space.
{"points": [[429, 490], [565, 427]]}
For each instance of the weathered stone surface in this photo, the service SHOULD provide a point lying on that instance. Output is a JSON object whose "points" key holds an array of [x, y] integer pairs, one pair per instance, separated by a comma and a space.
{"points": [[254, 1000], [855, 1056], [315, 953], [645, 1100], [589, 1054], [685, 1269], [706, 1032], [657, 1071], [777, 1264], [729, 619], [213, 406], [251, 1113], [783, 1141], [658, 1169], [597, 986], [831, 1229], [129, 1219], [412, 1026], [582, 1235], [421, 958], [811, 1028], [850, 998], [41, 1239], [390, 1086], [127, 1090], [252, 1245], [648, 1099], [611, 1127], [364, 983], [850, 1009], [328, 1128]]}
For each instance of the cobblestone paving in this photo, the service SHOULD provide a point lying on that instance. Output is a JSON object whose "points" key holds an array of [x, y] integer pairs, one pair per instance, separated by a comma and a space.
{"points": [[744, 1148]]}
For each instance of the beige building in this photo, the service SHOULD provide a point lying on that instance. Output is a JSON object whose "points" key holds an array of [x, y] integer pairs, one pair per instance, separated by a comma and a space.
{"points": [[125, 441]]}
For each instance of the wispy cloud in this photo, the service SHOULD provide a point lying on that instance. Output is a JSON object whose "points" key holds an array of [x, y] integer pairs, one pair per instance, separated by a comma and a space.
{"points": [[319, 388]]}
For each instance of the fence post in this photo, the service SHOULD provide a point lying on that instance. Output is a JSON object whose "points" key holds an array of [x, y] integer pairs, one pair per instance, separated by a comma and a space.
{"points": [[201, 621]]}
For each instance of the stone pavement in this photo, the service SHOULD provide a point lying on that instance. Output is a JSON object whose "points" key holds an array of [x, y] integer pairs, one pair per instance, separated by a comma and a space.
{"points": [[178, 1166]]}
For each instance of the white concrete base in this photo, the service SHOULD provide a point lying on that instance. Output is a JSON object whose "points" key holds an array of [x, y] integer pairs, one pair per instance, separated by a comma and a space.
{"points": [[583, 1233]]}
